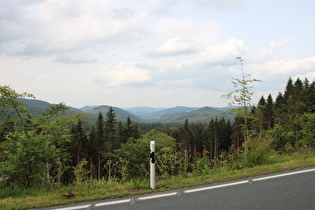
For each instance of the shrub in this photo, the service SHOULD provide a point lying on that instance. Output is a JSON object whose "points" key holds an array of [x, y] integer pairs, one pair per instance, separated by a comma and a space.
{"points": [[257, 151]]}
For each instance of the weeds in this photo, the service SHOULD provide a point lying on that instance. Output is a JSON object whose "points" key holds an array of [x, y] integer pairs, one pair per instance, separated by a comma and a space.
{"points": [[226, 167]]}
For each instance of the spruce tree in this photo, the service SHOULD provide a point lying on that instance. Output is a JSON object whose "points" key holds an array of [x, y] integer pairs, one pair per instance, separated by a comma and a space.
{"points": [[269, 112], [99, 144], [288, 90], [260, 113], [78, 142], [110, 131]]}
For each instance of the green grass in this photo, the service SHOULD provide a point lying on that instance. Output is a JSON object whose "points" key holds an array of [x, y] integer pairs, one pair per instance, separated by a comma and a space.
{"points": [[96, 190]]}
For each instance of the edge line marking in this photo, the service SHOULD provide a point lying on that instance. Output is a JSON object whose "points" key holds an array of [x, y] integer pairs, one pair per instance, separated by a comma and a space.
{"points": [[74, 207], [112, 202], [215, 187], [157, 196], [282, 175]]}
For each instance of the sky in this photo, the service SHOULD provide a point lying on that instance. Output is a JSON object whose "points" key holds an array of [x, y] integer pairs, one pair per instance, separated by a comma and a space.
{"points": [[158, 53]]}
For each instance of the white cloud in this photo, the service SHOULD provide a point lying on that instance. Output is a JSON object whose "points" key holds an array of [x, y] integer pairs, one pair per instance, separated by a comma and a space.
{"points": [[284, 68], [219, 54], [173, 47], [169, 7], [175, 82], [217, 5], [157, 52], [187, 29], [67, 28], [272, 52], [125, 74], [222, 53]]}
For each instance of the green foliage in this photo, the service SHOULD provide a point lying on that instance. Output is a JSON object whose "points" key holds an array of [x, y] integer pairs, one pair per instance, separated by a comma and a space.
{"points": [[9, 102], [201, 166], [307, 133], [25, 155], [282, 137], [242, 96], [37, 151], [134, 155], [258, 151], [80, 172], [169, 162]]}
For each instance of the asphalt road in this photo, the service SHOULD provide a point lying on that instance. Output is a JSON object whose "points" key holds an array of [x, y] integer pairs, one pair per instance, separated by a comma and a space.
{"points": [[288, 190]]}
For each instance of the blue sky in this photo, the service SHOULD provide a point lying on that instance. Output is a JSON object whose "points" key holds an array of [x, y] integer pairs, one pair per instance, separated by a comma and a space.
{"points": [[158, 53]]}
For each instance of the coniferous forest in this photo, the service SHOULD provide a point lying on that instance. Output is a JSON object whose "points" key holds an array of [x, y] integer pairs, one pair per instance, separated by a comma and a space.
{"points": [[50, 147]]}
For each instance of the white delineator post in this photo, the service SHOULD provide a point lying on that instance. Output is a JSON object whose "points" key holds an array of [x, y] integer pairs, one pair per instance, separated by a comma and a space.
{"points": [[152, 165]]}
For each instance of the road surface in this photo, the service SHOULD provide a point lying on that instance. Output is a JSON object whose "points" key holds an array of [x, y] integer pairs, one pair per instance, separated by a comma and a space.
{"points": [[287, 190]]}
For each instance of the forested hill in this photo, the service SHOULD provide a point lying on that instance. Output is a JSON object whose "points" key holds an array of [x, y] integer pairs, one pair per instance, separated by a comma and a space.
{"points": [[120, 113], [39, 106], [159, 115], [141, 114], [204, 114]]}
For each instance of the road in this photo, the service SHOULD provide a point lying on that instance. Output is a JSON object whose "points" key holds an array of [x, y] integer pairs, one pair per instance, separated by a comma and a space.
{"points": [[288, 190]]}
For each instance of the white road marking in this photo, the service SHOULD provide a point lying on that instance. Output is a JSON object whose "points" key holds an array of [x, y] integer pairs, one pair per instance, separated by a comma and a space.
{"points": [[157, 196], [282, 175], [215, 187], [112, 203], [186, 191], [75, 207]]}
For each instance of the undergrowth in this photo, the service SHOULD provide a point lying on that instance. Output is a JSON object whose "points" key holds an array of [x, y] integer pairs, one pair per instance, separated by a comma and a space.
{"points": [[225, 168]]}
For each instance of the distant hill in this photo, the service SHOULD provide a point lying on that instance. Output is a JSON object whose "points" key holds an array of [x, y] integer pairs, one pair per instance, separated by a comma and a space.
{"points": [[143, 111], [227, 108], [39, 106], [120, 113], [88, 107], [204, 114], [162, 115], [172, 115]]}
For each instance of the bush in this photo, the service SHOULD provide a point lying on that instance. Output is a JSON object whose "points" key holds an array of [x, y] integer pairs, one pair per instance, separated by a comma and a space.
{"points": [[257, 151]]}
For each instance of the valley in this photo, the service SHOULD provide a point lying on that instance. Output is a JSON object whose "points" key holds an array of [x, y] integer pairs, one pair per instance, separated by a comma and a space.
{"points": [[172, 115]]}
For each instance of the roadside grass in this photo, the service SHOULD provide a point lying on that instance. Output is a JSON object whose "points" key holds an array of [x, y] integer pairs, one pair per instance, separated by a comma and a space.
{"points": [[97, 190]]}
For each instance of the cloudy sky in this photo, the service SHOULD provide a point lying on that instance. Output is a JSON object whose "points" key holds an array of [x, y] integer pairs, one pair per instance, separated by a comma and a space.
{"points": [[158, 53]]}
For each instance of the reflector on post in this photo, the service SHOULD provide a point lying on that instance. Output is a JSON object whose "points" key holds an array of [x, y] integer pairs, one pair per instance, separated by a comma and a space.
{"points": [[152, 164]]}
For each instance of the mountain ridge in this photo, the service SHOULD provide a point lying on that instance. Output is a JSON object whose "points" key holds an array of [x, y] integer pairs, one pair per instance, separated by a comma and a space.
{"points": [[146, 114]]}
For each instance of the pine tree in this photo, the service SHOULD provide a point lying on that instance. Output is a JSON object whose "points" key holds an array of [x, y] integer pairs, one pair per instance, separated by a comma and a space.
{"points": [[129, 130], [260, 113], [225, 130], [79, 142], [99, 144], [93, 157], [311, 97], [211, 138], [120, 133], [186, 140], [288, 90], [269, 112], [297, 89], [110, 131]]}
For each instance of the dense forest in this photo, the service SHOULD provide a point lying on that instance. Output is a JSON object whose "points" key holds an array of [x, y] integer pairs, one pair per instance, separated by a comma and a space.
{"points": [[53, 148]]}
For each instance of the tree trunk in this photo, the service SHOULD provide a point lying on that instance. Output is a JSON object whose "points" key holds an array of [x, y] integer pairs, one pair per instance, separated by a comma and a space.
{"points": [[99, 166], [215, 146]]}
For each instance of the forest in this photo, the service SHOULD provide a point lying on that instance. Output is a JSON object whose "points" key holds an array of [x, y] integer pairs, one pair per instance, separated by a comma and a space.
{"points": [[50, 147]]}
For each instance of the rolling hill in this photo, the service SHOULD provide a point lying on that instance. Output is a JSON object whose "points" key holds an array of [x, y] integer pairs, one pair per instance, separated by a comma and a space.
{"points": [[39, 106], [172, 115], [204, 114], [163, 114], [120, 113]]}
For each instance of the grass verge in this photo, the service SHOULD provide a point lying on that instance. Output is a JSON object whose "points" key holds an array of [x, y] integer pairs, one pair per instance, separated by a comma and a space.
{"points": [[102, 190]]}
